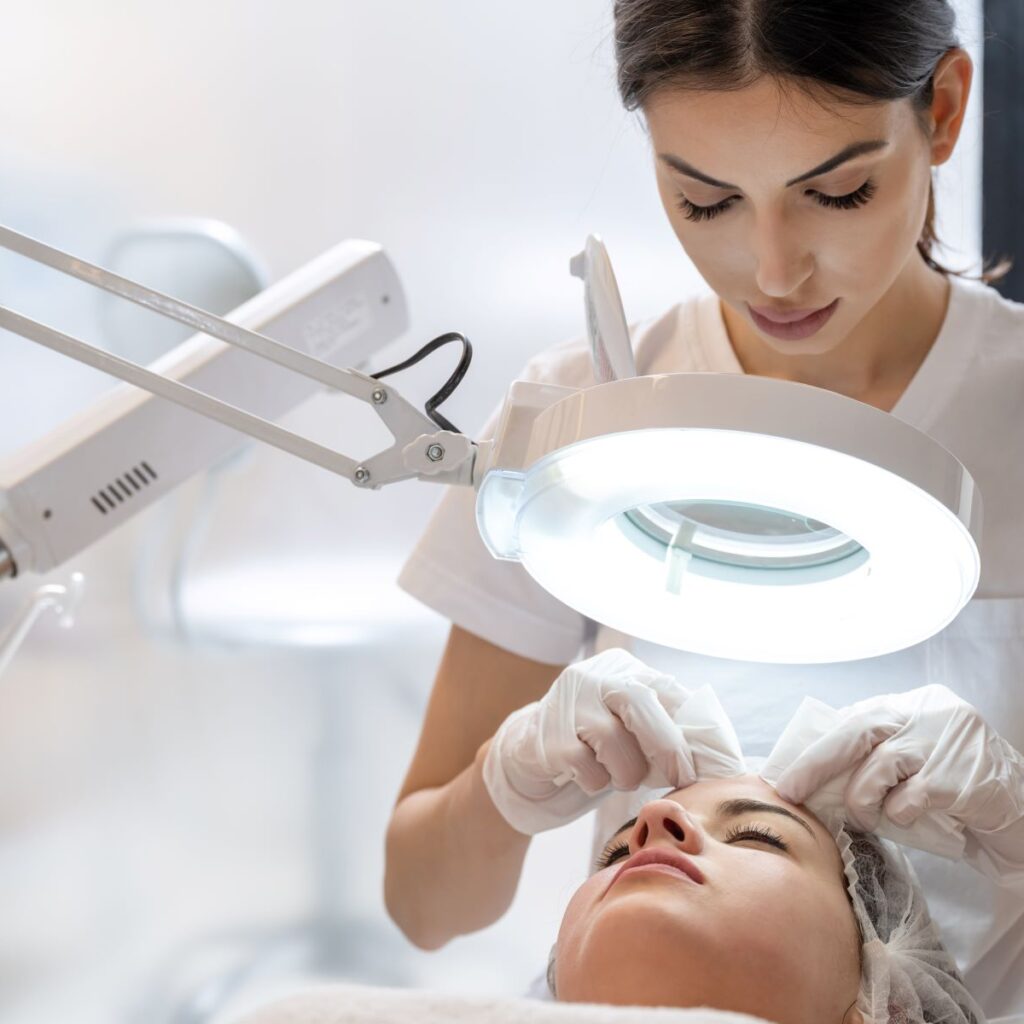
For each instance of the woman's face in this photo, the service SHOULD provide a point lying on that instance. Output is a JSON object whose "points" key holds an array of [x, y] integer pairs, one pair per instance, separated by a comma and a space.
{"points": [[766, 928], [792, 225]]}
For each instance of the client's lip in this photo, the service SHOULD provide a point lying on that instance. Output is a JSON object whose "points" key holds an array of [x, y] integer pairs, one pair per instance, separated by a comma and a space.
{"points": [[671, 858]]}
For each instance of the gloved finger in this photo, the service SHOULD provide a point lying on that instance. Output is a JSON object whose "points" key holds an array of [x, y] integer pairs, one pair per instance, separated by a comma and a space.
{"points": [[908, 801], [934, 787], [710, 737], [889, 764], [577, 762], [671, 694], [660, 739], [616, 749], [836, 752]]}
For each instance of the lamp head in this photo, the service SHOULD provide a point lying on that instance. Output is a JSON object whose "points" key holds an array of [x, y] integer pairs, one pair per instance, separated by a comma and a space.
{"points": [[727, 514]]}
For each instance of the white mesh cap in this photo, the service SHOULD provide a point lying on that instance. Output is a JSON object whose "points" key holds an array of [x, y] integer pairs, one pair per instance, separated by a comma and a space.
{"points": [[907, 975]]}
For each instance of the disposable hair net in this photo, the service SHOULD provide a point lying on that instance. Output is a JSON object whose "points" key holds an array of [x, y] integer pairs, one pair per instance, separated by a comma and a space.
{"points": [[907, 975]]}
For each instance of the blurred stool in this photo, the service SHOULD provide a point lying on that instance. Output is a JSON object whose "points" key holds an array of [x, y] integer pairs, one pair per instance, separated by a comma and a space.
{"points": [[353, 613]]}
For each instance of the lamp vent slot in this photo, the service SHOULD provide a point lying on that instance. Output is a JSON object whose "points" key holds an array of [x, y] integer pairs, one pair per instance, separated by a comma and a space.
{"points": [[126, 486]]}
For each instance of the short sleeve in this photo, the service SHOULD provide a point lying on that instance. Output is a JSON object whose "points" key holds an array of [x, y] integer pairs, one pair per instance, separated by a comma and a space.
{"points": [[451, 571]]}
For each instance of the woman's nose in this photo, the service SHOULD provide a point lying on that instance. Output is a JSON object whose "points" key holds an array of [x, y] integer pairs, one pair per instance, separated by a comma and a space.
{"points": [[664, 822], [783, 264]]}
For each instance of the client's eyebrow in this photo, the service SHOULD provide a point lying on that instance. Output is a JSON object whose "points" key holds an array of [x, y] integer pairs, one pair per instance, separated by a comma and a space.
{"points": [[733, 809], [854, 149]]}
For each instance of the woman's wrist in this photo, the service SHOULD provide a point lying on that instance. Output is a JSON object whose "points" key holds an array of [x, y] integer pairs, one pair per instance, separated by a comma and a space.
{"points": [[495, 833]]}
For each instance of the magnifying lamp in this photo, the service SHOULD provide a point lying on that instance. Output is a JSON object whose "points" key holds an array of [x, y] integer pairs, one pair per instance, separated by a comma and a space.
{"points": [[725, 514]]}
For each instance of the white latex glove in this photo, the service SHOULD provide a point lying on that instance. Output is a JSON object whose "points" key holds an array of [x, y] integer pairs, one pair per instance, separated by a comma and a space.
{"points": [[924, 750], [933, 831], [606, 723]]}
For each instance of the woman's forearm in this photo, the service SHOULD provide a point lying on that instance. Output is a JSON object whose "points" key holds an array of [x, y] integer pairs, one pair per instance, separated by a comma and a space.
{"points": [[452, 861]]}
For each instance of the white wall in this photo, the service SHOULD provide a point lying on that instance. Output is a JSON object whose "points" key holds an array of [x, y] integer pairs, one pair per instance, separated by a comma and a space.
{"points": [[152, 792]]}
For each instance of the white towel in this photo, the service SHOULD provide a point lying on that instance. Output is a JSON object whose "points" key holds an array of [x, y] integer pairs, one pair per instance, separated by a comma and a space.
{"points": [[360, 1004]]}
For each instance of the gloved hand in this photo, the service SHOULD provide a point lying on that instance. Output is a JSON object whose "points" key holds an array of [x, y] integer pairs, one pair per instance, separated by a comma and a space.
{"points": [[924, 750], [607, 722]]}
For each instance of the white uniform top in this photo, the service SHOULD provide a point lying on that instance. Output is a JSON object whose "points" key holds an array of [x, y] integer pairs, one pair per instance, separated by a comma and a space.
{"points": [[968, 395]]}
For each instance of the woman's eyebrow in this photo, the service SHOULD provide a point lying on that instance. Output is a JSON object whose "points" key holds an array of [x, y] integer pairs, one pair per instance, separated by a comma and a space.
{"points": [[851, 151], [734, 808]]}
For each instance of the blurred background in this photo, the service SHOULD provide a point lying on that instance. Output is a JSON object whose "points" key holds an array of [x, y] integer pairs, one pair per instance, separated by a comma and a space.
{"points": [[195, 780]]}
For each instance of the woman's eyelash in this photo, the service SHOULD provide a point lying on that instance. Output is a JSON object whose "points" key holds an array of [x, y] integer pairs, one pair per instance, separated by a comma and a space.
{"points": [[858, 197], [612, 854], [850, 201], [696, 213], [758, 833]]}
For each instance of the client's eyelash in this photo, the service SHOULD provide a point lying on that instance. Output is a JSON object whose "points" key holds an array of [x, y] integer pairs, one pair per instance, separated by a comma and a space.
{"points": [[850, 201], [611, 855], [758, 833]]}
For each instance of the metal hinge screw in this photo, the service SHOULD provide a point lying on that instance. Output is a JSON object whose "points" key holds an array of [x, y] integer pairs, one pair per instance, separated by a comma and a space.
{"points": [[435, 452], [380, 396], [361, 475]]}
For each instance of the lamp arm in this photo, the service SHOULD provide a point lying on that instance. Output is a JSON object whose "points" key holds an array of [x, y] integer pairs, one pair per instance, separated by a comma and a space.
{"points": [[420, 449]]}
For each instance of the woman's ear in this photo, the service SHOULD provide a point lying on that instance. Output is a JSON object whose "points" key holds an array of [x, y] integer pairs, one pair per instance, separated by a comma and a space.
{"points": [[853, 1016], [951, 89], [551, 971]]}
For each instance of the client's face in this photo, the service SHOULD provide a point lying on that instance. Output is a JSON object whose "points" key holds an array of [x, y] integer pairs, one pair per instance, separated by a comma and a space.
{"points": [[720, 895]]}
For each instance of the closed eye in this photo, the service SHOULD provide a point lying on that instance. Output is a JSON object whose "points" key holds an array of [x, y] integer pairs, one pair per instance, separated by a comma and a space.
{"points": [[695, 212], [850, 201], [756, 833]]}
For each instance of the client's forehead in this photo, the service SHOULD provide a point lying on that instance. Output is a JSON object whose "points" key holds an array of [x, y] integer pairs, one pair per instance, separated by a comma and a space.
{"points": [[711, 790]]}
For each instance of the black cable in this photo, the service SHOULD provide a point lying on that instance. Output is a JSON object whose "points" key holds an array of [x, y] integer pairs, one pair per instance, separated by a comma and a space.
{"points": [[449, 386]]}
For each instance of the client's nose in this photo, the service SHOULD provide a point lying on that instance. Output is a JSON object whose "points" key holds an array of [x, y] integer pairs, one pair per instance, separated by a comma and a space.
{"points": [[666, 822]]}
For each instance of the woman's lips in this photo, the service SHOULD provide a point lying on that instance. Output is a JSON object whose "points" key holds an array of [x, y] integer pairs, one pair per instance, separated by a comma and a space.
{"points": [[663, 869], [793, 325], [673, 861]]}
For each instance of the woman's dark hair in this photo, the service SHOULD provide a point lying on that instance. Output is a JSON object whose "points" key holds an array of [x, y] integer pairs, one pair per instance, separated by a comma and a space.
{"points": [[855, 50]]}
